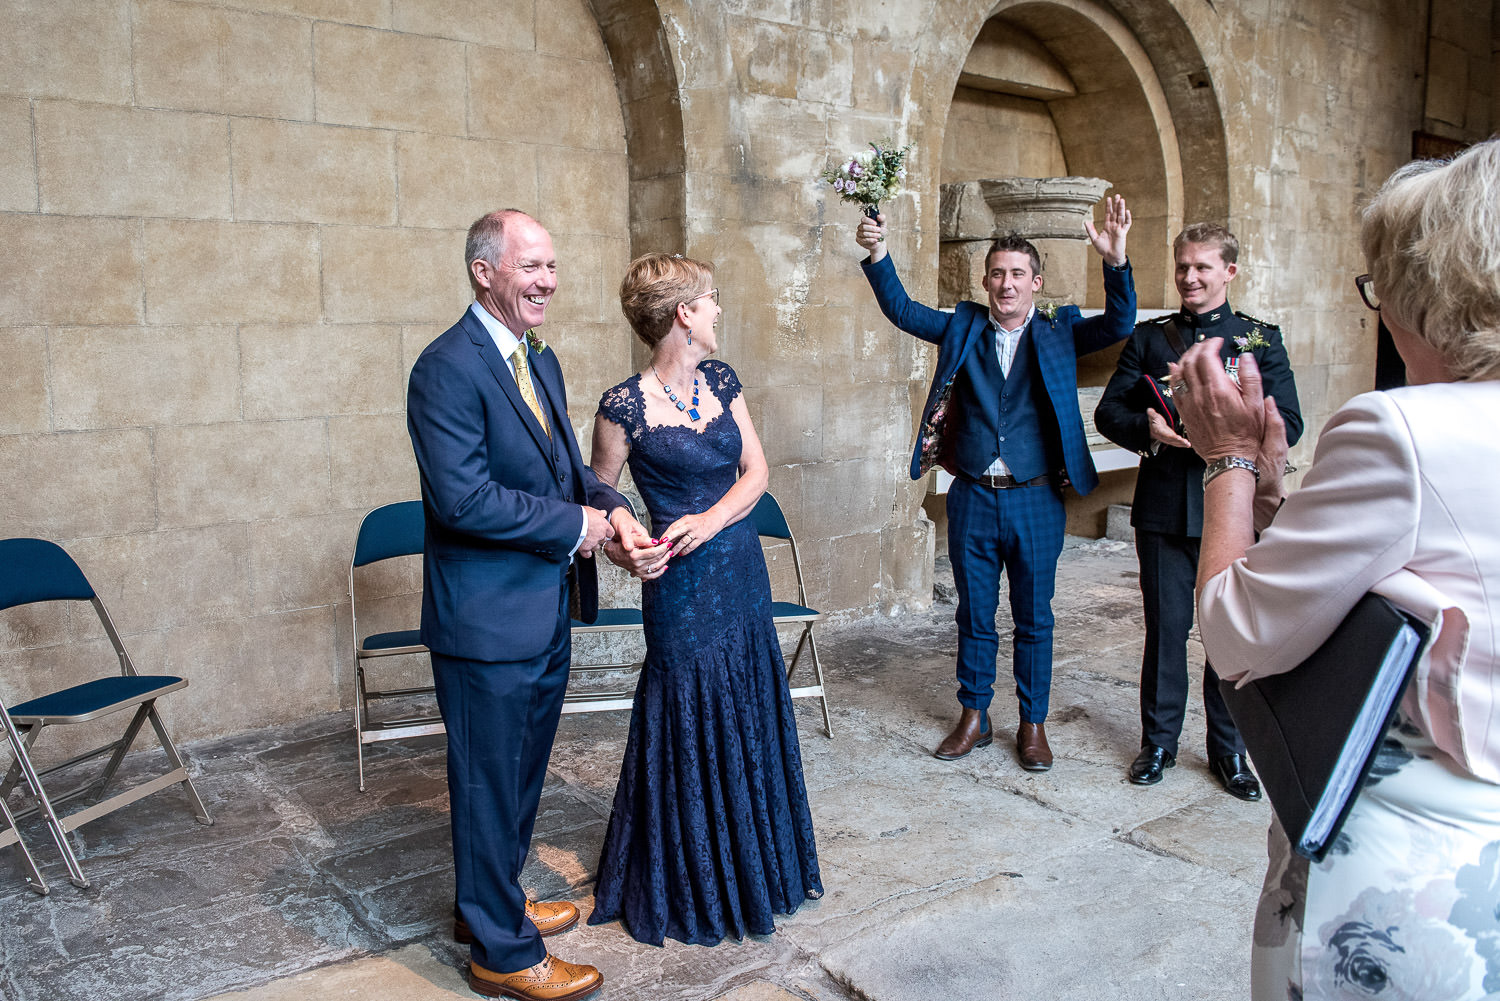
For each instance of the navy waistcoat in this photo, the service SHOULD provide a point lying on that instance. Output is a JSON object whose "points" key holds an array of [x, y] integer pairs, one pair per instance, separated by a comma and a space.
{"points": [[996, 415]]}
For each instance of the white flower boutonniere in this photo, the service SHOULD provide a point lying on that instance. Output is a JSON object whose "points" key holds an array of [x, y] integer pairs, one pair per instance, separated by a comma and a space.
{"points": [[1048, 309], [537, 344]]}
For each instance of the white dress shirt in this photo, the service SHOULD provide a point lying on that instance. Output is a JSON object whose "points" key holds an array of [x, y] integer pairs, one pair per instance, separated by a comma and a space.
{"points": [[507, 343], [1006, 342]]}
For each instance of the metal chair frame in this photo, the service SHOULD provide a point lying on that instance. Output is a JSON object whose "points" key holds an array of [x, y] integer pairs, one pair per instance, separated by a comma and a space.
{"points": [[89, 701], [609, 620], [12, 835], [771, 523], [401, 524]]}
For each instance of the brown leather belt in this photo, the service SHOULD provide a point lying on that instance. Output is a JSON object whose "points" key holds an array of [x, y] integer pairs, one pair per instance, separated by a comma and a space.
{"points": [[1006, 482]]}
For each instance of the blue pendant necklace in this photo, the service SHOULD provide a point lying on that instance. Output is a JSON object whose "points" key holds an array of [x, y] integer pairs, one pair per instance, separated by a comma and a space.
{"points": [[693, 412]]}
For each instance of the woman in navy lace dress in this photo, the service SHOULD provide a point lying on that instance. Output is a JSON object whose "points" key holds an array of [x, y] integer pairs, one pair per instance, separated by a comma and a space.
{"points": [[710, 834]]}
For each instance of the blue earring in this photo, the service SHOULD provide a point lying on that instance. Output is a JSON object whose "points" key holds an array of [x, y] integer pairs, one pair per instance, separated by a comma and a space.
{"points": [[690, 336]]}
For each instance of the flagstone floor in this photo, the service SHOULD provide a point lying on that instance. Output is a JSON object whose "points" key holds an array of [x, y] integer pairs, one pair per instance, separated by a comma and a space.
{"points": [[969, 879]]}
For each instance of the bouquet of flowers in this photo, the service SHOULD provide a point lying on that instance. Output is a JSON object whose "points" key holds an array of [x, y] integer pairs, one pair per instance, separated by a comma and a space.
{"points": [[871, 175]]}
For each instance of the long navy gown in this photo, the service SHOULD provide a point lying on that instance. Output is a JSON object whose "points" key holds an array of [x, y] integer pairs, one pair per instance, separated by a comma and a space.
{"points": [[710, 834]]}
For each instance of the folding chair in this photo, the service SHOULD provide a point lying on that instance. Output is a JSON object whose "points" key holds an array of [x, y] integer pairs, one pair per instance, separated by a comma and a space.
{"points": [[34, 570], [12, 835], [770, 523], [387, 532]]}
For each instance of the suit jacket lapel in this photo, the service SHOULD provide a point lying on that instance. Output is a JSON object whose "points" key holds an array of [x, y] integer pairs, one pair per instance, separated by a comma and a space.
{"points": [[501, 371], [1049, 357], [979, 325]]}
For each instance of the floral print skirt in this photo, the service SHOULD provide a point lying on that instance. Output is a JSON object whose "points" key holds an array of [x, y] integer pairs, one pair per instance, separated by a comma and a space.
{"points": [[1405, 905]]}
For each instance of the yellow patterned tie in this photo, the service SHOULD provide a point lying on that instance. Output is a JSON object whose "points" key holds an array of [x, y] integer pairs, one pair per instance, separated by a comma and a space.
{"points": [[523, 381]]}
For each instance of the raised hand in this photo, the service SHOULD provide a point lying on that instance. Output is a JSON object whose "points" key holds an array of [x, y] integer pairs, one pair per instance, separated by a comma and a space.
{"points": [[1109, 239], [871, 236]]}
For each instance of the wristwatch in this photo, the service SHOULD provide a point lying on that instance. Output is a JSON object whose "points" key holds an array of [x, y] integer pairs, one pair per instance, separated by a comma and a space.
{"points": [[1226, 463]]}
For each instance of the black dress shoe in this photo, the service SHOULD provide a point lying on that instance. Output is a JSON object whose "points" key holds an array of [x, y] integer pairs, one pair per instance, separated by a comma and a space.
{"points": [[1233, 773], [1147, 767]]}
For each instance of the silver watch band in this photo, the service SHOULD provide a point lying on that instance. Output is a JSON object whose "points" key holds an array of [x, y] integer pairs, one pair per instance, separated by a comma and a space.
{"points": [[1226, 463]]}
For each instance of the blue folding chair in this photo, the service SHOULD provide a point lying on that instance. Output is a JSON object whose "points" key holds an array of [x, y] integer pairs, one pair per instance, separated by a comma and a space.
{"points": [[34, 570], [770, 523], [388, 532]]}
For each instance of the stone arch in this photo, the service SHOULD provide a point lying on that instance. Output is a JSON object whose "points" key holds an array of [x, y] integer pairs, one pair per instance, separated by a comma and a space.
{"points": [[1145, 113], [646, 79]]}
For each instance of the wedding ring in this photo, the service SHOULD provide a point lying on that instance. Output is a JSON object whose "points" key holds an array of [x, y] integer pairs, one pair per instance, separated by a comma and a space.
{"points": [[1181, 387]]}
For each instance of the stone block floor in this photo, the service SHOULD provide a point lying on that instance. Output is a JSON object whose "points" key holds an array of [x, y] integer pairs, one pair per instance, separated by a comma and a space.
{"points": [[970, 879]]}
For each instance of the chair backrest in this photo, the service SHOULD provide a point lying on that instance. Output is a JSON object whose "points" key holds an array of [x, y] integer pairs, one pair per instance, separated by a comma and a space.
{"points": [[38, 570], [390, 531], [768, 519]]}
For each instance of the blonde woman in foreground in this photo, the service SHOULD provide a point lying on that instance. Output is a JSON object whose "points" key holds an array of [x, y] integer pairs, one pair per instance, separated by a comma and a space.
{"points": [[1400, 500]]}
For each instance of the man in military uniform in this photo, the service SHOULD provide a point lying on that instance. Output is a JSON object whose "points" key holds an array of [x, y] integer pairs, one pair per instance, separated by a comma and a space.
{"points": [[1136, 412]]}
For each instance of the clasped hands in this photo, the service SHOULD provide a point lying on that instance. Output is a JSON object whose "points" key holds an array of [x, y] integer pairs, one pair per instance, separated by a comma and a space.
{"points": [[1225, 417], [633, 549]]}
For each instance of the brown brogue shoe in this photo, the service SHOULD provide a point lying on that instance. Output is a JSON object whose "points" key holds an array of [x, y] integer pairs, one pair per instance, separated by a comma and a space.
{"points": [[552, 916], [1031, 744], [552, 979], [549, 916], [972, 730]]}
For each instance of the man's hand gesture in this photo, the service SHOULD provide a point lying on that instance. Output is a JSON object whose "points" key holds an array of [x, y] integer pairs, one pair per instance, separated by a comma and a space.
{"points": [[1109, 239], [1161, 430]]}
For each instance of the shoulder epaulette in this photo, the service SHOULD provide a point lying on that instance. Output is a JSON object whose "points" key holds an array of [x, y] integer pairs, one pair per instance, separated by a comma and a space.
{"points": [[1160, 319], [1258, 322]]}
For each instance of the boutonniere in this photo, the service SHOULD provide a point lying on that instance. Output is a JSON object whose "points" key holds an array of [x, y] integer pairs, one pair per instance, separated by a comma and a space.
{"points": [[537, 344], [1251, 341], [1049, 310]]}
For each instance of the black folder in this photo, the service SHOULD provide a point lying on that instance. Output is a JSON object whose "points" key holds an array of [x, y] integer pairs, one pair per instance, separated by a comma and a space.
{"points": [[1313, 732]]}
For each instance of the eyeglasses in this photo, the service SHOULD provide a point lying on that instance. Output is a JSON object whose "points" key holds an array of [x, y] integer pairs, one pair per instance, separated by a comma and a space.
{"points": [[1366, 286], [712, 293]]}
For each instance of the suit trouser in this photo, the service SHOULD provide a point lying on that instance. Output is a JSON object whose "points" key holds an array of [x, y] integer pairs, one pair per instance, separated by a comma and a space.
{"points": [[501, 718], [1169, 568], [1020, 529]]}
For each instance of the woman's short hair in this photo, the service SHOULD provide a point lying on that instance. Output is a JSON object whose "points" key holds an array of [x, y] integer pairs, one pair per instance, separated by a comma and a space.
{"points": [[653, 286], [1432, 239]]}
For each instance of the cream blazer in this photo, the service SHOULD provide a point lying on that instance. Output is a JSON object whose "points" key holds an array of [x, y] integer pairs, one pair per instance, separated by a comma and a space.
{"points": [[1402, 498]]}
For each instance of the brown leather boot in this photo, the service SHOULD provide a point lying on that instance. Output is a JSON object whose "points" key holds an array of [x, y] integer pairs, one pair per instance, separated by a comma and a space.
{"points": [[972, 730], [1031, 744]]}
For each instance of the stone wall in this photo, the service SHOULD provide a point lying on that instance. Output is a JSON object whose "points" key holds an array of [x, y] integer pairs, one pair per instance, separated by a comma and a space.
{"points": [[227, 231], [228, 227]]}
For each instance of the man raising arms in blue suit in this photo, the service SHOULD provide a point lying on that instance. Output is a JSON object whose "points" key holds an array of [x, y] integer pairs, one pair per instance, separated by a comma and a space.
{"points": [[513, 520], [1002, 416]]}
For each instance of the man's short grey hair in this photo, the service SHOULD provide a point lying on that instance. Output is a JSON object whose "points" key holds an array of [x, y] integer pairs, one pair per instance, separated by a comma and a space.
{"points": [[486, 240], [1432, 239]]}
